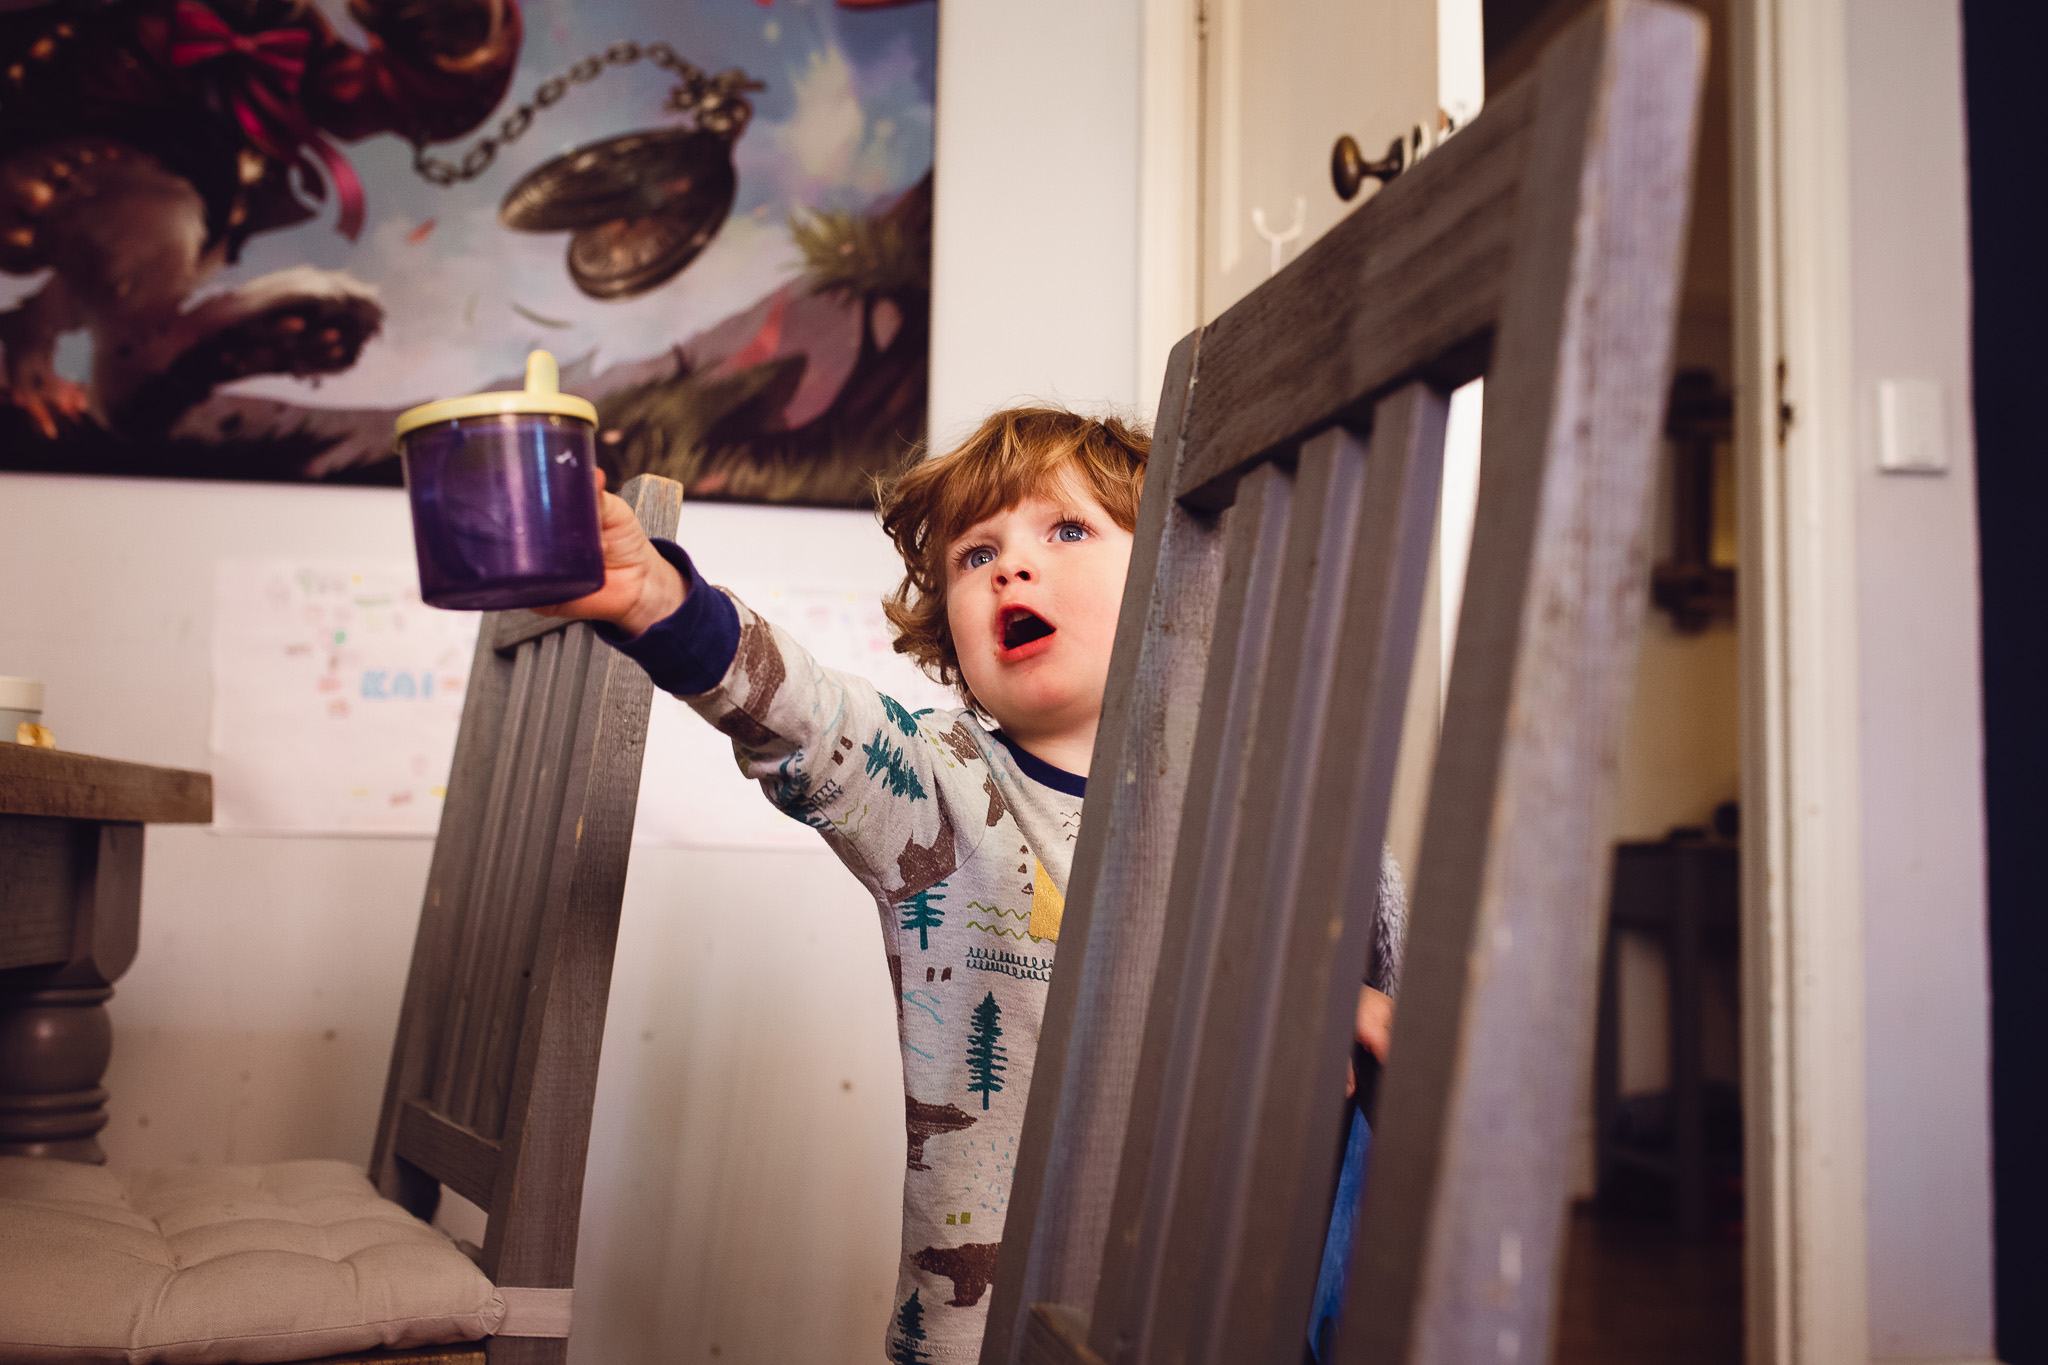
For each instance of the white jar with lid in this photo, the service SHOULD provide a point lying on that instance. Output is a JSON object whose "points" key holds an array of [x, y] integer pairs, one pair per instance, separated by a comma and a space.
{"points": [[21, 703]]}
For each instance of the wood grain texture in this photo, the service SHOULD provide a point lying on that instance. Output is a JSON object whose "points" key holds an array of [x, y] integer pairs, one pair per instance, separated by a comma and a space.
{"points": [[70, 912], [1457, 1247], [494, 1067], [1213, 1245], [53, 782], [526, 1350], [1407, 287], [1055, 1334], [1542, 245], [1274, 1054], [531, 1238], [1074, 1131], [488, 990], [1218, 809], [527, 897], [1208, 1215], [511, 629], [416, 1071], [39, 869], [460, 1158]]}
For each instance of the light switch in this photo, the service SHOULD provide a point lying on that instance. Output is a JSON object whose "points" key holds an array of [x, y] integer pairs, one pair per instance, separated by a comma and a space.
{"points": [[1912, 437]]}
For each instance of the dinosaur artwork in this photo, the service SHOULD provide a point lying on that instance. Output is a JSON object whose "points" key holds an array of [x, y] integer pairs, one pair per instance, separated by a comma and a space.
{"points": [[237, 237], [143, 143], [970, 1267]]}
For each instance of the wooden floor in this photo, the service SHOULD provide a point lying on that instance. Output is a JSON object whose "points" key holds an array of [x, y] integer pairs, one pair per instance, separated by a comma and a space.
{"points": [[1635, 1295]]}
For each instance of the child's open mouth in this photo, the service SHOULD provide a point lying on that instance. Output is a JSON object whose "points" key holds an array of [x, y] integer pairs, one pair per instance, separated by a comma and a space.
{"points": [[1021, 626]]}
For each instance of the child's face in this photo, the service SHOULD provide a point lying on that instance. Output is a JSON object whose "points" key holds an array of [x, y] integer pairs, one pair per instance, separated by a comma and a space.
{"points": [[1032, 595]]}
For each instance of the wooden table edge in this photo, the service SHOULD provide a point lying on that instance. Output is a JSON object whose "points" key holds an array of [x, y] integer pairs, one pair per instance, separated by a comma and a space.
{"points": [[74, 786]]}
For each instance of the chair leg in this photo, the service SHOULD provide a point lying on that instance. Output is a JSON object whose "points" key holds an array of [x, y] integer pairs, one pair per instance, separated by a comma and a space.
{"points": [[527, 1351]]}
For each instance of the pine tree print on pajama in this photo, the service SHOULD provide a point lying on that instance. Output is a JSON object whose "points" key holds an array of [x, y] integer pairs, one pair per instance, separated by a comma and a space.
{"points": [[966, 843]]}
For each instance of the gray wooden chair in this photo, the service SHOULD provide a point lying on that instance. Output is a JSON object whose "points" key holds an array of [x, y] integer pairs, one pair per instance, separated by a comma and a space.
{"points": [[1174, 1175], [489, 1093]]}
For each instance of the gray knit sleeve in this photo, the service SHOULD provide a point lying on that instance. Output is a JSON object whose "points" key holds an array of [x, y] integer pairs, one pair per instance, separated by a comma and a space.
{"points": [[1390, 928]]}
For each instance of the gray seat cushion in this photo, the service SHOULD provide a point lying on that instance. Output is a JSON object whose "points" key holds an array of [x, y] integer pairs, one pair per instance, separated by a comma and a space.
{"points": [[285, 1261]]}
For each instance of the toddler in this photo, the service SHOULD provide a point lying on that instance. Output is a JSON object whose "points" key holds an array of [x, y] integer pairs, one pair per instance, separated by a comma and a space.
{"points": [[961, 824]]}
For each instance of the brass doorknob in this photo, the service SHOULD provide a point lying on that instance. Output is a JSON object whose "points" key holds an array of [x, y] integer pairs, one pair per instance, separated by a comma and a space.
{"points": [[1349, 168]]}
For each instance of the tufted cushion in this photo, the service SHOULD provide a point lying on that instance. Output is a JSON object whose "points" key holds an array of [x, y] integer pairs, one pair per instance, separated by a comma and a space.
{"points": [[225, 1263]]}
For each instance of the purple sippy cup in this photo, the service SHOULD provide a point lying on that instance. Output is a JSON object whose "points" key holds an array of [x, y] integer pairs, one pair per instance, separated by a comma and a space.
{"points": [[504, 510]]}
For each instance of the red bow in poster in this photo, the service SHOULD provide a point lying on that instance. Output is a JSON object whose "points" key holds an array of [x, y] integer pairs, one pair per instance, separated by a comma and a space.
{"points": [[259, 75]]}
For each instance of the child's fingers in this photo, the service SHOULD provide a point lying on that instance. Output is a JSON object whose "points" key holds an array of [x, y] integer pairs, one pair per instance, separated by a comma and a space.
{"points": [[620, 530], [1374, 1025]]}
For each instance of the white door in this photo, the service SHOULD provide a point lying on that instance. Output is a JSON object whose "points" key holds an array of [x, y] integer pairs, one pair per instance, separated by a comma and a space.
{"points": [[1282, 81]]}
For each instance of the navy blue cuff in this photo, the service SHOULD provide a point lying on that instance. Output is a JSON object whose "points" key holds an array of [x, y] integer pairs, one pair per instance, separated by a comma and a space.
{"points": [[688, 651]]}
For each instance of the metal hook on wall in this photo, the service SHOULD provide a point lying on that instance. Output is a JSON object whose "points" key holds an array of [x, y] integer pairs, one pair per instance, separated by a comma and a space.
{"points": [[1276, 242]]}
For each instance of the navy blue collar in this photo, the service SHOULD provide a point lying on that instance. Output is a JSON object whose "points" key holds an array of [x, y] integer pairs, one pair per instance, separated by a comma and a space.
{"points": [[1038, 770]]}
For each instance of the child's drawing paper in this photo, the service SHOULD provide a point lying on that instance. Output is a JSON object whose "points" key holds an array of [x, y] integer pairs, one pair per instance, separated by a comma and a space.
{"points": [[336, 697], [692, 794]]}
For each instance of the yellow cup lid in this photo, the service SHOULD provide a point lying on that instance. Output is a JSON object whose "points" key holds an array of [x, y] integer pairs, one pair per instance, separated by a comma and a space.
{"points": [[543, 394]]}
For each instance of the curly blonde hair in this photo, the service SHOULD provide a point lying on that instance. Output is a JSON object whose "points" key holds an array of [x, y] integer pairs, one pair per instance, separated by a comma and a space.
{"points": [[927, 504]]}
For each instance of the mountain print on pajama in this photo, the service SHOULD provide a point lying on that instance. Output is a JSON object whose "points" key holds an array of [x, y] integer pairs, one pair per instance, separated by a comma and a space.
{"points": [[966, 845]]}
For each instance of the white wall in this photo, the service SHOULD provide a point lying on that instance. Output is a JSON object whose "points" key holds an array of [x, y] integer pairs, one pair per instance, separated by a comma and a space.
{"points": [[1923, 827], [747, 1153], [1034, 270]]}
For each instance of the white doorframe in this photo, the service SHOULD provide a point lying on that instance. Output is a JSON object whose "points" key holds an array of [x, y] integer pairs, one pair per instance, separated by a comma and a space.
{"points": [[1802, 988]]}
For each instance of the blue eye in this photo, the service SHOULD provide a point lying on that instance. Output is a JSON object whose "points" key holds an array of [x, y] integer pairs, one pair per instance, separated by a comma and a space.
{"points": [[1072, 530], [977, 556]]}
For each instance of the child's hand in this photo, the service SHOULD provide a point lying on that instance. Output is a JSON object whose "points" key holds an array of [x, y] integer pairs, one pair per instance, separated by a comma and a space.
{"points": [[640, 587], [1374, 1029]]}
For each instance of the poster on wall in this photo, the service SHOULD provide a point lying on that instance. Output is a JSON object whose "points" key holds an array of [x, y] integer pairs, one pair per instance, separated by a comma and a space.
{"points": [[238, 237]]}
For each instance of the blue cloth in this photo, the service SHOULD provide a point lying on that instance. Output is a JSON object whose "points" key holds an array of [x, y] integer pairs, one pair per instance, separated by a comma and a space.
{"points": [[1336, 1271], [688, 651]]}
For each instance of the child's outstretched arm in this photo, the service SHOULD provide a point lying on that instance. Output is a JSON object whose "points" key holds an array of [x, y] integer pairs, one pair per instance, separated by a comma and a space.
{"points": [[827, 748]]}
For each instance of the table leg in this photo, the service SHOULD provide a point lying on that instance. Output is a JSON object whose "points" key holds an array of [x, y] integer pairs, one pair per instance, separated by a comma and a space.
{"points": [[55, 1033]]}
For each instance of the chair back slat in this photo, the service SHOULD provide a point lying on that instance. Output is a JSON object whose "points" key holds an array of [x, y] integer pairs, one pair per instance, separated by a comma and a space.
{"points": [[1263, 968], [526, 897], [495, 1062], [1461, 1230], [1172, 1191], [1095, 1005], [473, 881], [1216, 813], [489, 928]]}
